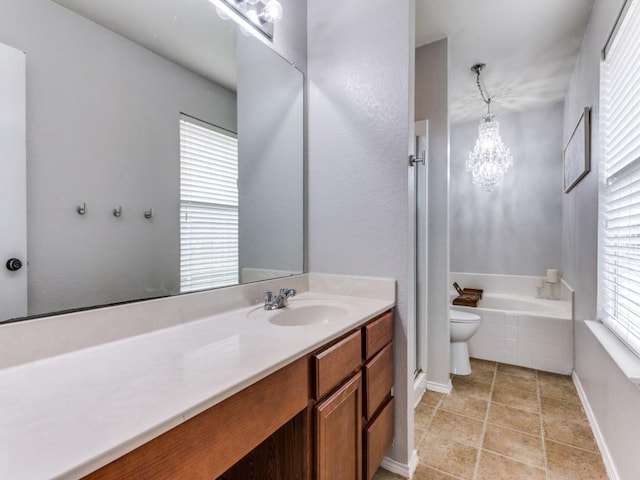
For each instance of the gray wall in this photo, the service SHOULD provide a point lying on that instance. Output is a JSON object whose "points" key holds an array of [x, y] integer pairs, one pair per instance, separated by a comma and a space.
{"points": [[102, 128], [432, 103], [270, 149], [613, 399], [360, 59], [516, 228], [290, 34]]}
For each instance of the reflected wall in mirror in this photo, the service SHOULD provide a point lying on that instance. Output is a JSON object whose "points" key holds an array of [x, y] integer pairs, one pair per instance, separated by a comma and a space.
{"points": [[103, 130]]}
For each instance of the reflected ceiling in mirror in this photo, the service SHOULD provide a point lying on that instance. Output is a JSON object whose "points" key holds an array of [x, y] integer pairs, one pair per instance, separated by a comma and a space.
{"points": [[107, 85], [189, 33]]}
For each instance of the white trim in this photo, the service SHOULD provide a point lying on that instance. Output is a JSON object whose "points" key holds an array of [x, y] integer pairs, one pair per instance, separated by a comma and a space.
{"points": [[421, 230], [419, 387], [440, 387], [412, 272], [14, 286], [622, 356], [406, 470], [567, 294], [606, 456], [618, 187]]}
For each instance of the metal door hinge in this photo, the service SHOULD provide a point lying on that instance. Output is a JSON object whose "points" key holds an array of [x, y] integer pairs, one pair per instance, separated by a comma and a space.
{"points": [[421, 159]]}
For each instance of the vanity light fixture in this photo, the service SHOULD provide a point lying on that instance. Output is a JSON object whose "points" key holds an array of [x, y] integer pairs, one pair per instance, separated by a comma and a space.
{"points": [[272, 12], [490, 158], [251, 15]]}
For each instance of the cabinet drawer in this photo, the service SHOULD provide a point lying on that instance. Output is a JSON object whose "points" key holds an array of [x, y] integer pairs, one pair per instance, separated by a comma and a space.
{"points": [[378, 379], [378, 437], [336, 363], [378, 333]]}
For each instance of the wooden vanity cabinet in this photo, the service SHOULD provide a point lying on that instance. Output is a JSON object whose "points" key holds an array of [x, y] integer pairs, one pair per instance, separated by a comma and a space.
{"points": [[326, 416], [207, 445], [354, 424]]}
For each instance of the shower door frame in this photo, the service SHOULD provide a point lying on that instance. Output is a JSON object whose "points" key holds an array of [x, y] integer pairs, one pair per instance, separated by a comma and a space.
{"points": [[418, 206]]}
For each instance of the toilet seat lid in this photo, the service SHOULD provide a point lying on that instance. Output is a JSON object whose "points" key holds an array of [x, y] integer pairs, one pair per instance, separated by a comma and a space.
{"points": [[463, 317]]}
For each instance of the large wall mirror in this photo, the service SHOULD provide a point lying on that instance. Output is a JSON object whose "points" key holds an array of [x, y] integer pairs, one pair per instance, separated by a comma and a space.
{"points": [[164, 152]]}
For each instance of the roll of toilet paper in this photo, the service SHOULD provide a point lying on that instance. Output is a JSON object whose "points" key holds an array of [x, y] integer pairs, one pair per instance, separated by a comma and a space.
{"points": [[552, 275], [539, 282]]}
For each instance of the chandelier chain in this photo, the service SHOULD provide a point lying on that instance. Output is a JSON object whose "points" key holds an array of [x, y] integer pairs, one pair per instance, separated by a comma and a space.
{"points": [[486, 99]]}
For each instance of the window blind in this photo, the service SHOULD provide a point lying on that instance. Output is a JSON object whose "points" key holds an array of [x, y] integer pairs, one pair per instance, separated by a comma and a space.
{"points": [[208, 206], [620, 195]]}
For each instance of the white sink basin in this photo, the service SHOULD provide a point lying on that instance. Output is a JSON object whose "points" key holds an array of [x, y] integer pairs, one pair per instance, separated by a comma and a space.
{"points": [[300, 315], [304, 311]]}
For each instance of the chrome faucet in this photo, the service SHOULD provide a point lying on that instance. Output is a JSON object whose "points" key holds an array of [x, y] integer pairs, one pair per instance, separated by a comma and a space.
{"points": [[279, 301]]}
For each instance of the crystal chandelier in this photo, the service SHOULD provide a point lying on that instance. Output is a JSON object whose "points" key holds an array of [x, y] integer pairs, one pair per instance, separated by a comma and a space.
{"points": [[490, 159]]}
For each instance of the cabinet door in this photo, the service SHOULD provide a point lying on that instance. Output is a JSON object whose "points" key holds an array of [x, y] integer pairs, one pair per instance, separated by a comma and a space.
{"points": [[378, 437], [339, 434]]}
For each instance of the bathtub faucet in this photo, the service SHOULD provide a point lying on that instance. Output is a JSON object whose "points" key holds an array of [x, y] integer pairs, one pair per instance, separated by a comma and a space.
{"points": [[546, 289]]}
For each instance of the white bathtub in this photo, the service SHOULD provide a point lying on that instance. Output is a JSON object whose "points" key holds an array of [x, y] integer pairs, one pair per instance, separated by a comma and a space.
{"points": [[525, 331], [527, 305]]}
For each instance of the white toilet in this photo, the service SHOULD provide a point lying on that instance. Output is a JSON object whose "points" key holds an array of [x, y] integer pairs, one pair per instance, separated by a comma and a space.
{"points": [[462, 326]]}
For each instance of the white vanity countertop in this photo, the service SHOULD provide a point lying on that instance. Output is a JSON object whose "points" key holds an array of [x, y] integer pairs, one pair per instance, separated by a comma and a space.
{"points": [[68, 415]]}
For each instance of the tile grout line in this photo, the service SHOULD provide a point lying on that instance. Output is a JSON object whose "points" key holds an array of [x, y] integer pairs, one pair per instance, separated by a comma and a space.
{"points": [[484, 425], [514, 407], [542, 434], [573, 446], [544, 467], [516, 460], [513, 429], [445, 473], [427, 424]]}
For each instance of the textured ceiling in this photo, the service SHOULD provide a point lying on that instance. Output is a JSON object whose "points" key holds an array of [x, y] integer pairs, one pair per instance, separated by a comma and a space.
{"points": [[529, 46]]}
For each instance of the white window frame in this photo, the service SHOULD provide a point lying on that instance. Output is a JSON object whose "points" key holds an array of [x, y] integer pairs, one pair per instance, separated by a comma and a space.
{"points": [[619, 192], [209, 248]]}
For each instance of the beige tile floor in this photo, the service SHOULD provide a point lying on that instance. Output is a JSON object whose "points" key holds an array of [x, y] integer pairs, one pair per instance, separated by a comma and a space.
{"points": [[504, 422]]}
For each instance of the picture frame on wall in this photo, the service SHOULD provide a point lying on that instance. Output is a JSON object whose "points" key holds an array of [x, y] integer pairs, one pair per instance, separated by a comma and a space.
{"points": [[577, 153]]}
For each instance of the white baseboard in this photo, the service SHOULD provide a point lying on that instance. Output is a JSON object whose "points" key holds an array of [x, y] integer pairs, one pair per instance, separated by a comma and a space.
{"points": [[440, 387], [606, 457], [405, 470]]}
